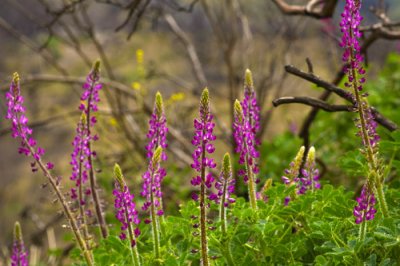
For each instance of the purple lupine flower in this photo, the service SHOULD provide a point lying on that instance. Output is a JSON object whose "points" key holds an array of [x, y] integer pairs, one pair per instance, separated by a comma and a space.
{"points": [[251, 110], [158, 129], [306, 178], [152, 183], [292, 174], [20, 128], [79, 159], [310, 174], [125, 208], [365, 208], [225, 184], [354, 69], [157, 138], [19, 256], [202, 139], [89, 100], [245, 142]]}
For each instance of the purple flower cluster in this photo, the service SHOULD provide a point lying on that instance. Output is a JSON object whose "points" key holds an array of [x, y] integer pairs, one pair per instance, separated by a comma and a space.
{"points": [[310, 174], [152, 184], [365, 208], [79, 159], [371, 126], [225, 184], [354, 69], [20, 128], [245, 143], [202, 139], [251, 110], [157, 136], [81, 156], [306, 178], [349, 27], [90, 94], [126, 210], [19, 256], [158, 129]]}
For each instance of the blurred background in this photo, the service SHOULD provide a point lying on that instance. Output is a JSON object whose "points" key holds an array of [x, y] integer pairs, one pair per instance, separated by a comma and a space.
{"points": [[176, 47]]}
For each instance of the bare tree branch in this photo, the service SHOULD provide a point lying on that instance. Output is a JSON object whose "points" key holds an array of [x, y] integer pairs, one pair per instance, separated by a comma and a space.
{"points": [[318, 9], [191, 51], [314, 103]]}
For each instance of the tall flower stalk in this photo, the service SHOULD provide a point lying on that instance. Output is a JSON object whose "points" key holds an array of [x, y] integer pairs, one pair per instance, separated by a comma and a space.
{"points": [[245, 146], [225, 186], [251, 110], [126, 213], [29, 147], [355, 71], [91, 95], [153, 177], [19, 256], [202, 139], [157, 136], [246, 126], [80, 168]]}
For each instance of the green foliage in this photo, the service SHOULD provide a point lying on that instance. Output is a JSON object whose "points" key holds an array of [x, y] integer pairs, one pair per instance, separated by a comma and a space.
{"points": [[315, 228]]}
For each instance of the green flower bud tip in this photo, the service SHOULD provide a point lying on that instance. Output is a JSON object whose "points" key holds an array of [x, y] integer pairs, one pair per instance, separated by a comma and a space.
{"points": [[96, 66], [156, 156], [298, 159], [267, 185], [311, 155], [17, 232], [159, 104], [15, 78], [238, 111], [119, 176], [226, 166], [248, 79], [205, 99]]}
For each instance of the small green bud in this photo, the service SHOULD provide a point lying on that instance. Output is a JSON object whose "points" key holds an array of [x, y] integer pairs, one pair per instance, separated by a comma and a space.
{"points": [[15, 78], [119, 176], [267, 185], [248, 79], [96, 66], [297, 160], [156, 156], [205, 101], [311, 156], [159, 104], [17, 232], [238, 111], [226, 166]]}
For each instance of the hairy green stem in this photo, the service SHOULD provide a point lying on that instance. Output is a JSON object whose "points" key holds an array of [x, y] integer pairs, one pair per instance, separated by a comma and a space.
{"points": [[67, 211], [251, 186], [363, 230], [372, 163], [154, 225], [203, 217], [133, 250]]}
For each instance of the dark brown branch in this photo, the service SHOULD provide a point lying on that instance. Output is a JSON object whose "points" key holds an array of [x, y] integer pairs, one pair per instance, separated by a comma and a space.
{"points": [[321, 103], [314, 103], [320, 83]]}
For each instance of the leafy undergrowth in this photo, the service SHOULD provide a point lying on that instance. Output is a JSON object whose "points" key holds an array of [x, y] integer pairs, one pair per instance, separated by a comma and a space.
{"points": [[313, 229]]}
